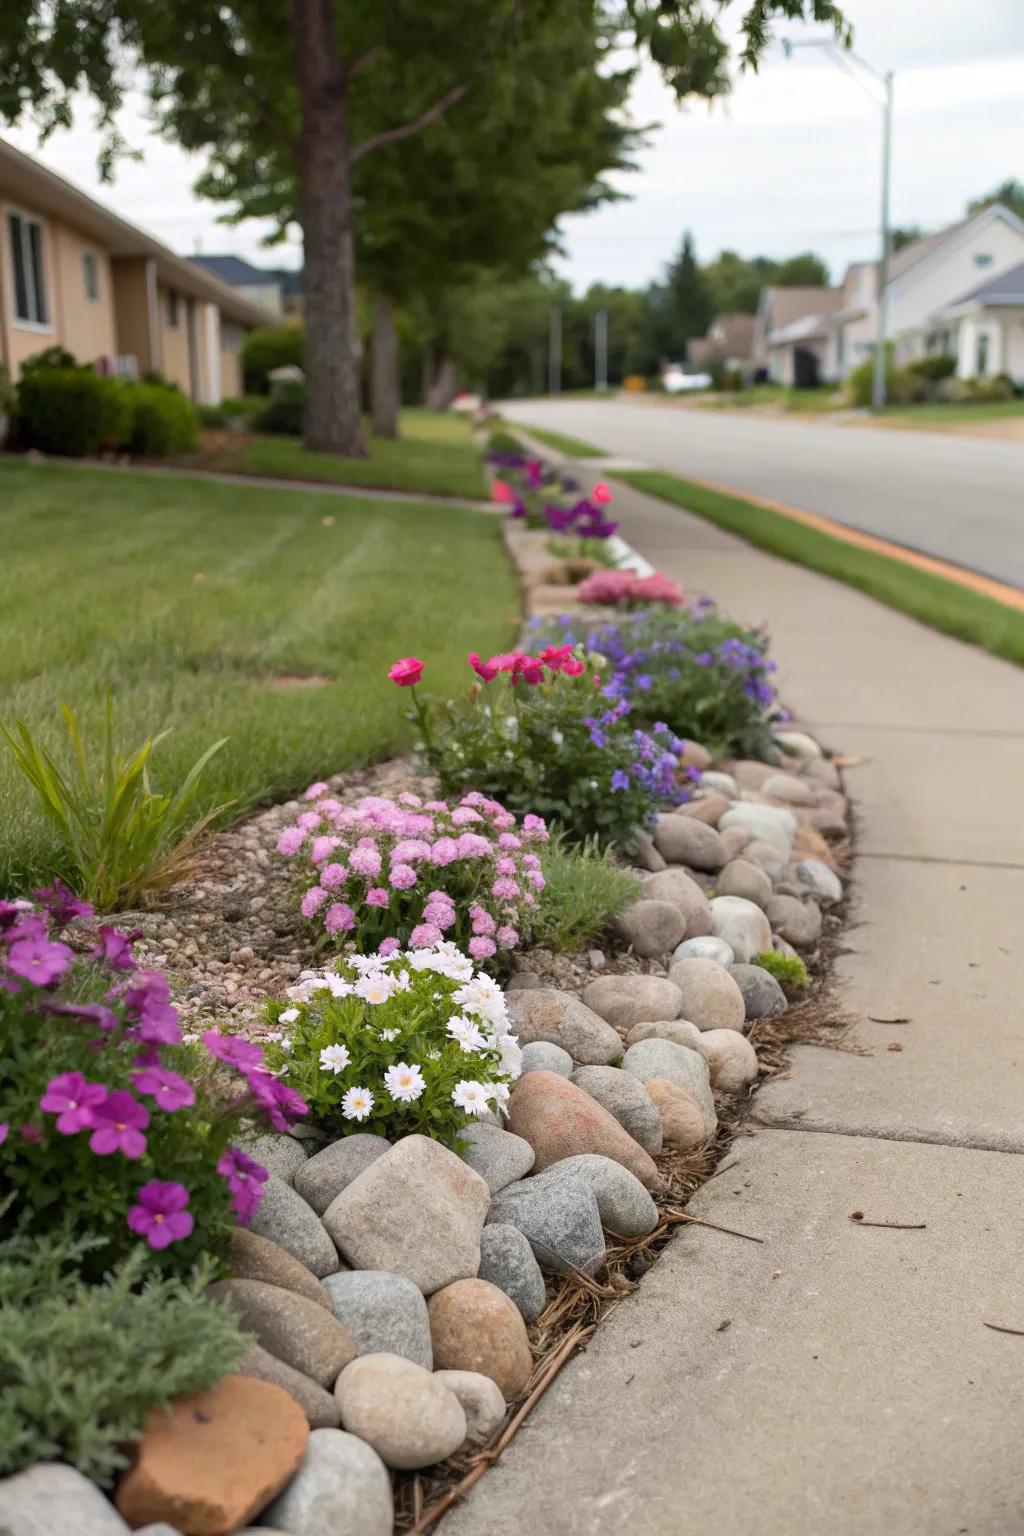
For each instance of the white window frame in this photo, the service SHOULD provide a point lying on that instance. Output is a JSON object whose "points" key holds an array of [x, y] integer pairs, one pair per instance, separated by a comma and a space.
{"points": [[90, 261], [26, 219]]}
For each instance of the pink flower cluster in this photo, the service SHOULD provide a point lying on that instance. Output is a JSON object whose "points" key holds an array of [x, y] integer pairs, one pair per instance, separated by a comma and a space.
{"points": [[412, 872], [625, 587], [527, 668]]}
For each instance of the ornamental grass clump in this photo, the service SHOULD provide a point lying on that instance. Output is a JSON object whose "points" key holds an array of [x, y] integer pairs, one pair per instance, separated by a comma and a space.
{"points": [[108, 1118], [383, 873], [537, 733], [416, 1041]]}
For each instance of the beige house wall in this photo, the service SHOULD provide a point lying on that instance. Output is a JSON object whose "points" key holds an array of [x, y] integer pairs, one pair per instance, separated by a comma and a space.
{"points": [[134, 283], [231, 340], [174, 341], [86, 327]]}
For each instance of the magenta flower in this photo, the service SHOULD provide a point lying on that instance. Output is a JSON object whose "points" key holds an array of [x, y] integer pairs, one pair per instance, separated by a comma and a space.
{"points": [[340, 918], [115, 949], [481, 948], [242, 1054], [160, 1215], [4, 1128], [406, 672], [119, 1123], [377, 896], [245, 1179], [39, 960], [72, 1100], [62, 904], [95, 1013], [147, 1001], [312, 901], [445, 851], [280, 1104], [170, 1090], [388, 947]]}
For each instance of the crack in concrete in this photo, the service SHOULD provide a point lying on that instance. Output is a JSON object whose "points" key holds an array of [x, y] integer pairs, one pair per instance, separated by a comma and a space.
{"points": [[919, 1137]]}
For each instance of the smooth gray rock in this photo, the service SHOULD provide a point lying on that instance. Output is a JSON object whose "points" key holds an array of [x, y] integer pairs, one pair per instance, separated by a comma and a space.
{"points": [[525, 981], [627, 1099], [763, 998], [798, 744], [496, 1155], [560, 1018], [316, 1402], [384, 1313], [824, 882], [706, 947], [709, 996], [625, 1207], [417, 1211], [678, 1064], [560, 1219], [627, 1000], [253, 1257], [652, 928], [742, 878], [798, 922], [766, 856], [283, 1155], [323, 1177], [342, 1487], [640, 847], [299, 1332], [287, 1220], [52, 1499], [507, 1261], [407, 1416], [676, 886], [542, 1056], [686, 840], [765, 823], [481, 1400], [742, 925]]}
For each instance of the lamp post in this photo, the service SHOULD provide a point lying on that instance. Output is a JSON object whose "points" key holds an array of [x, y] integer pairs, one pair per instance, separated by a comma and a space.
{"points": [[555, 351], [601, 351], [846, 58]]}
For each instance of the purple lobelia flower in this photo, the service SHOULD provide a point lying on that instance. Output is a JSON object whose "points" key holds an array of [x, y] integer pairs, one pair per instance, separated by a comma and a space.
{"points": [[38, 959], [245, 1179], [119, 1123], [169, 1089], [159, 1214], [73, 1101]]}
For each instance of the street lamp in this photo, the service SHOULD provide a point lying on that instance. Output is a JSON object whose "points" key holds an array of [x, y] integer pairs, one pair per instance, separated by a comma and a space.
{"points": [[846, 58]]}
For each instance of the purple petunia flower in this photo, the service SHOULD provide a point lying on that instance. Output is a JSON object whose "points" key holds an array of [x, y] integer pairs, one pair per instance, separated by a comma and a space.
{"points": [[169, 1089], [95, 1013], [72, 1100], [160, 1215], [620, 779], [242, 1054], [280, 1104], [119, 1123], [245, 1179], [62, 904], [147, 1001], [39, 960], [115, 948]]}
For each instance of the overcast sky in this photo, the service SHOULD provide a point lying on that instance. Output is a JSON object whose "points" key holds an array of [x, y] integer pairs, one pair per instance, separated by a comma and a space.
{"points": [[790, 162]]}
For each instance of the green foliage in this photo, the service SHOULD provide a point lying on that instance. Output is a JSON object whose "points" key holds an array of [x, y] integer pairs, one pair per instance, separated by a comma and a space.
{"points": [[164, 422], [49, 357], [118, 837], [211, 415], [903, 386], [788, 970], [71, 411], [1009, 192], [284, 411], [585, 889], [82, 1365], [803, 271], [424, 1010], [8, 394], [269, 347], [937, 365]]}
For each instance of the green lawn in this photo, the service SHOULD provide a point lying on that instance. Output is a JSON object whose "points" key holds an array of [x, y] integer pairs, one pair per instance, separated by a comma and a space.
{"points": [[575, 447], [190, 599], [939, 415], [942, 604], [776, 396], [435, 453]]}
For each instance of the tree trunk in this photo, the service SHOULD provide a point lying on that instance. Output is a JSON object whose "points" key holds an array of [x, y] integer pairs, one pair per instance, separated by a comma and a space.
{"points": [[384, 390], [333, 419], [443, 386], [426, 376]]}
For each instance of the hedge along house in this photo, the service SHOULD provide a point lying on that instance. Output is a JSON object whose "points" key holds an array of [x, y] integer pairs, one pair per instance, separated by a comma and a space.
{"points": [[74, 275]]}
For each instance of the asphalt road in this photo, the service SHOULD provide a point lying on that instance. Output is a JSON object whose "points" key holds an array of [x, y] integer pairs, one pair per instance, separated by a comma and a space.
{"points": [[960, 498]]}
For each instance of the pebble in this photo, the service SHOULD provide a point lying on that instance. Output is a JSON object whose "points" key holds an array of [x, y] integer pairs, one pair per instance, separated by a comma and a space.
{"points": [[640, 847], [52, 1499], [481, 1400], [707, 947], [786, 786], [317, 1404], [651, 927], [402, 1411], [706, 808], [283, 1155], [507, 1261], [679, 1064], [295, 1330], [253, 1257], [682, 1122], [560, 1220], [763, 998], [723, 782], [559, 1120], [731, 1059], [710, 997], [495, 1154], [542, 1056], [342, 1487], [798, 922], [559, 1018], [742, 878], [383, 1314], [798, 744], [765, 823], [681, 1031], [209, 1462], [734, 840], [765, 855], [624, 1206], [474, 1326], [694, 755], [417, 1211], [323, 1177], [622, 1096], [682, 890], [287, 1220], [742, 925], [684, 840], [627, 1000], [824, 882]]}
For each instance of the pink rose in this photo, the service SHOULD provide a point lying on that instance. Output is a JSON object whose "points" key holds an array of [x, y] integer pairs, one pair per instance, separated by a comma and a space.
{"points": [[406, 672]]}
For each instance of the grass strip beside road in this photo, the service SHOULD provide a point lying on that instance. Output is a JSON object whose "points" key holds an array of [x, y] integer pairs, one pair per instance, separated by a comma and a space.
{"points": [[945, 604], [267, 616], [574, 447]]}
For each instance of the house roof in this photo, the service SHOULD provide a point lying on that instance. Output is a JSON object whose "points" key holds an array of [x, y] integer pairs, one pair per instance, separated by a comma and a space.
{"points": [[787, 305], [919, 250], [732, 334], [1007, 288], [232, 270], [24, 179]]}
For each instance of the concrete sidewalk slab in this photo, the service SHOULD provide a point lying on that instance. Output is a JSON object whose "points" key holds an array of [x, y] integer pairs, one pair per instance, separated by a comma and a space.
{"points": [[836, 1381], [939, 944]]}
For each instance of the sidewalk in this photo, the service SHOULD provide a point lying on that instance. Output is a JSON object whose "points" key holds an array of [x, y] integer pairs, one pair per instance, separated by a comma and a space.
{"points": [[837, 1380]]}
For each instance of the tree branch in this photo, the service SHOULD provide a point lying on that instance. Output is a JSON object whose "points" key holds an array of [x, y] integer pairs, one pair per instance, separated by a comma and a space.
{"points": [[365, 60], [406, 130]]}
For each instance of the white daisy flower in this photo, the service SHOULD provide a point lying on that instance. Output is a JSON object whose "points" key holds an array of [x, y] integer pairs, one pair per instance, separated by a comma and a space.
{"points": [[483, 997], [511, 1055], [472, 1097], [375, 987], [286, 1045], [468, 1034], [288, 1016], [404, 1082], [334, 1058], [389, 1034], [339, 987], [501, 1094], [357, 1103]]}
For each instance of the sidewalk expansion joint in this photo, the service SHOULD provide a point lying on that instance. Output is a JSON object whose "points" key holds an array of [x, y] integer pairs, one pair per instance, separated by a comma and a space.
{"points": [[914, 730], [917, 1138], [929, 858]]}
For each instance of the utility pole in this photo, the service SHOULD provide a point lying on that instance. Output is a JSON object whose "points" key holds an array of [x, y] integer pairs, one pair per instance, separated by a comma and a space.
{"points": [[555, 351], [601, 350]]}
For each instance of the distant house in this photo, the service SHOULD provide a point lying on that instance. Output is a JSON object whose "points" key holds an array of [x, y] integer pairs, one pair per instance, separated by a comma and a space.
{"points": [[791, 335], [75, 275], [276, 289], [729, 344], [985, 328]]}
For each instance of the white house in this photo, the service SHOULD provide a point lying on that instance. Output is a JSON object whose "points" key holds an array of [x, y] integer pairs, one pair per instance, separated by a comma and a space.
{"points": [[986, 327]]}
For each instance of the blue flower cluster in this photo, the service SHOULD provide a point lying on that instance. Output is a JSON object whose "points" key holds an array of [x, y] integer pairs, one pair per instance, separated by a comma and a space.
{"points": [[656, 768]]}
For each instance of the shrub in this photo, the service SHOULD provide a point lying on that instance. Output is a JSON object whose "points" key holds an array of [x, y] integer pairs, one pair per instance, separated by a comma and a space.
{"points": [[584, 889], [284, 412], [501, 441], [788, 970], [82, 1365], [936, 366], [8, 394], [585, 549], [72, 411], [533, 734], [120, 839], [49, 357], [111, 1123], [269, 347], [211, 416], [707, 678], [410, 872], [903, 386], [411, 1042], [164, 421]]}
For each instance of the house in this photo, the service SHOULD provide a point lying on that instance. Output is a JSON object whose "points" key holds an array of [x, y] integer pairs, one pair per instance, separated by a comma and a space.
{"points": [[277, 289], [791, 333], [72, 274], [985, 328], [850, 330], [729, 344]]}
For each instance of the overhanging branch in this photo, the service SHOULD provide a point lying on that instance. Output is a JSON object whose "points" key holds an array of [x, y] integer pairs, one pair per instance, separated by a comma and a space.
{"points": [[406, 130]]}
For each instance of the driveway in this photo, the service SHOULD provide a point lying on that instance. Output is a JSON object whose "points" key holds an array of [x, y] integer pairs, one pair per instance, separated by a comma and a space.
{"points": [[956, 497]]}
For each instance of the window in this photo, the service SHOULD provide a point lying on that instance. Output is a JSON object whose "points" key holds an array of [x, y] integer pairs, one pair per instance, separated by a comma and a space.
{"points": [[27, 260], [983, 259], [171, 309], [982, 366], [91, 277]]}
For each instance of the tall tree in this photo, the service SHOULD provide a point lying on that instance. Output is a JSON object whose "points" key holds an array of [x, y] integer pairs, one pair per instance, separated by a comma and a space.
{"points": [[685, 302], [735, 282], [803, 271], [1009, 192]]}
